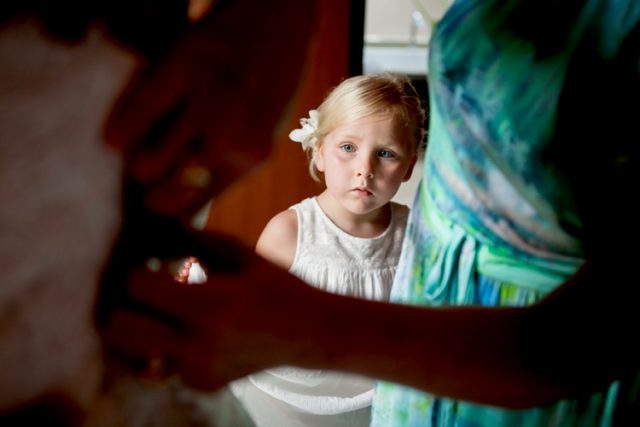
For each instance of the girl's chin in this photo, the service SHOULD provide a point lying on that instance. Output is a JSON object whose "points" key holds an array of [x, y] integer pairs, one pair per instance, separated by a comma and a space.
{"points": [[362, 207]]}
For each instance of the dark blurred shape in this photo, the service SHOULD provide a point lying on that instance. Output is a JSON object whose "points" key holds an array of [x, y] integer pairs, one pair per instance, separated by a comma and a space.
{"points": [[51, 410]]}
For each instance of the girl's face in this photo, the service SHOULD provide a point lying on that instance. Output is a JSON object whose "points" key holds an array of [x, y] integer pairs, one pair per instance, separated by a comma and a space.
{"points": [[364, 162]]}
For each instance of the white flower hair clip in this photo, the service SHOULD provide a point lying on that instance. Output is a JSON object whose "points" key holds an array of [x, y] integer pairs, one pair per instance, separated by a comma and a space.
{"points": [[307, 134]]}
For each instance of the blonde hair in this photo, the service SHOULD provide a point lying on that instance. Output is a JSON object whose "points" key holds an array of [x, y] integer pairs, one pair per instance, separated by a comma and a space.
{"points": [[367, 95]]}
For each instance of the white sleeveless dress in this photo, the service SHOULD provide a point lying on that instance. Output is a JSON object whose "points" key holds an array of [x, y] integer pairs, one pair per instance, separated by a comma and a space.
{"points": [[332, 260]]}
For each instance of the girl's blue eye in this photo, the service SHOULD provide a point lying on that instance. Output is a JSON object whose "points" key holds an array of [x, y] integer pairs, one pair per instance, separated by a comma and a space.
{"points": [[348, 148], [386, 154]]}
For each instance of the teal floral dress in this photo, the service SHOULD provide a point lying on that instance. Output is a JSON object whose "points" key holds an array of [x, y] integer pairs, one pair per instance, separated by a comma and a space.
{"points": [[495, 221]]}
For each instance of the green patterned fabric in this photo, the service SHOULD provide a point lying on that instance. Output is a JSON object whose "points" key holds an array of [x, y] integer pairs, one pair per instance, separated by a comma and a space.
{"points": [[495, 221]]}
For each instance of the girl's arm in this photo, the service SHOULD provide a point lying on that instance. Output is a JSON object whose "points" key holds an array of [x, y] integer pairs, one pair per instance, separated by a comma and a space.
{"points": [[278, 241]]}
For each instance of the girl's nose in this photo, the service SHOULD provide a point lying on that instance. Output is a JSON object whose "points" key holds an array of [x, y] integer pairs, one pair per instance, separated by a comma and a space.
{"points": [[366, 167]]}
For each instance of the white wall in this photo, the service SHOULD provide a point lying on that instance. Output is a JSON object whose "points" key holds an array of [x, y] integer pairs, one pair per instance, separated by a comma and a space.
{"points": [[389, 21]]}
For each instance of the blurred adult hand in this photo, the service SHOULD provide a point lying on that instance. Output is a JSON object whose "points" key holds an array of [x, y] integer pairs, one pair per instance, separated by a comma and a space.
{"points": [[192, 123], [239, 321]]}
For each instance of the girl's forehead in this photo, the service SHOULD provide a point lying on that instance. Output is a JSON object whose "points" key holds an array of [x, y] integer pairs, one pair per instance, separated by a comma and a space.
{"points": [[379, 120]]}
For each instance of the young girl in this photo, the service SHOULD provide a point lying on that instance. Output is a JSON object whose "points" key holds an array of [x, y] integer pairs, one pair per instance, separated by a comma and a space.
{"points": [[364, 140]]}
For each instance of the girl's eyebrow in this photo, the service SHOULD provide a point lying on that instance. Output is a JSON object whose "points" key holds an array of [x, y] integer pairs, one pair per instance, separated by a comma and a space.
{"points": [[394, 142], [348, 136]]}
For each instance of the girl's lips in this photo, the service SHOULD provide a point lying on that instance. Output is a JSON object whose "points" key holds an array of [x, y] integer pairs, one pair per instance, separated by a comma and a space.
{"points": [[362, 190]]}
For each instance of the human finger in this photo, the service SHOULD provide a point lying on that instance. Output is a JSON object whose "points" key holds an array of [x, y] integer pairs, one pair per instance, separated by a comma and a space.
{"points": [[136, 338], [209, 147], [142, 109], [153, 293]]}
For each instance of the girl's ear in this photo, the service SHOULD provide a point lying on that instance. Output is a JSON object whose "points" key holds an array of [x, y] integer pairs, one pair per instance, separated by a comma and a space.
{"points": [[319, 158], [407, 176]]}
